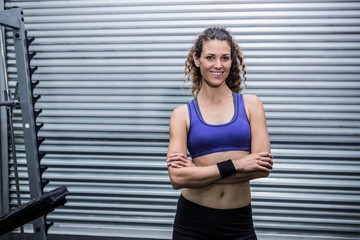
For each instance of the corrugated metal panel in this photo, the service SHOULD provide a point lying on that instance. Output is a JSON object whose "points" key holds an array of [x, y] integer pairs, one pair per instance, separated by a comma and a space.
{"points": [[111, 71]]}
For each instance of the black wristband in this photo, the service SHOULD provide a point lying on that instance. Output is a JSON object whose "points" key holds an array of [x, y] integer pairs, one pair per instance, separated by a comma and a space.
{"points": [[226, 168]]}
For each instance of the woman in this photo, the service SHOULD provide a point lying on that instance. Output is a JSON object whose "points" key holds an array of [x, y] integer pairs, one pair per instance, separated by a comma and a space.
{"points": [[226, 135]]}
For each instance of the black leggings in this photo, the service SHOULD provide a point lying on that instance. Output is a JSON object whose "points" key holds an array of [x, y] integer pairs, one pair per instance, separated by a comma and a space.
{"points": [[196, 222]]}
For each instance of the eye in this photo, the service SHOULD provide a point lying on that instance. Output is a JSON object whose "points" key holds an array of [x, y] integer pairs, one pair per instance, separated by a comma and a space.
{"points": [[210, 58], [226, 58]]}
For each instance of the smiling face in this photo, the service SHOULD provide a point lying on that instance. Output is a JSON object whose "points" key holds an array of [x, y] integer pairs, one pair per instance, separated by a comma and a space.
{"points": [[214, 62]]}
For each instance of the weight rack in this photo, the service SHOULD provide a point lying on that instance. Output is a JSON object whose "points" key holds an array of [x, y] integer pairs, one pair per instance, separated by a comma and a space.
{"points": [[13, 18]]}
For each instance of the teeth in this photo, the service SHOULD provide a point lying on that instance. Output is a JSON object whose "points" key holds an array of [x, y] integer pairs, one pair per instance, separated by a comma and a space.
{"points": [[216, 73]]}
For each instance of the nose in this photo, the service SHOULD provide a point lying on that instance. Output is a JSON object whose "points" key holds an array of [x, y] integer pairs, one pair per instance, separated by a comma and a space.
{"points": [[218, 64]]}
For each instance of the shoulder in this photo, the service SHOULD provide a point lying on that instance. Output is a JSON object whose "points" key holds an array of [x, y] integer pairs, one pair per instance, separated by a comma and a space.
{"points": [[253, 105], [179, 114], [252, 100], [180, 110], [179, 120]]}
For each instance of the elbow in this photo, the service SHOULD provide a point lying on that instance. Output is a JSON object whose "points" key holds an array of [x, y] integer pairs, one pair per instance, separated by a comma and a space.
{"points": [[266, 173], [175, 186], [263, 174], [176, 182], [178, 178]]}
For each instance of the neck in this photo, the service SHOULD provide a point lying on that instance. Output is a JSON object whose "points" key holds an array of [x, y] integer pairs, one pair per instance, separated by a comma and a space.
{"points": [[214, 94]]}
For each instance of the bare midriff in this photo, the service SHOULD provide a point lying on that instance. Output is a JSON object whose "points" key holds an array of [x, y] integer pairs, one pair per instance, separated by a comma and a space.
{"points": [[220, 195]]}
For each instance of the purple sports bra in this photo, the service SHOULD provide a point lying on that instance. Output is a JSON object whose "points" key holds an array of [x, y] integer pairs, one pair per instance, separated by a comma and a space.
{"points": [[206, 138]]}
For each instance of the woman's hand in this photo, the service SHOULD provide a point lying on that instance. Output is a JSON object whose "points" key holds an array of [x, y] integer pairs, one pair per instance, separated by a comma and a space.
{"points": [[254, 162], [179, 160]]}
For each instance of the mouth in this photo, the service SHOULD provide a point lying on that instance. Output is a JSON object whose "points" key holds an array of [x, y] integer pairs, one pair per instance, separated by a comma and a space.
{"points": [[216, 73]]}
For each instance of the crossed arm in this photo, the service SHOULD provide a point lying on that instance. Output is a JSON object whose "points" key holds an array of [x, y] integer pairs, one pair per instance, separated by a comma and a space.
{"points": [[184, 173]]}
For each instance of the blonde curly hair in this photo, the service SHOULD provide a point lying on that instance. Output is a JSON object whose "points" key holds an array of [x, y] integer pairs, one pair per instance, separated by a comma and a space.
{"points": [[237, 74]]}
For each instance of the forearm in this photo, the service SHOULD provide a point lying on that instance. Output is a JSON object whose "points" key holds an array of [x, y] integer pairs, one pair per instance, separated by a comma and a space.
{"points": [[193, 177], [184, 174]]}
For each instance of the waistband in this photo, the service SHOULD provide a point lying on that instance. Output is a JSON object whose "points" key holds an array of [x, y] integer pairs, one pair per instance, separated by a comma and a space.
{"points": [[183, 200]]}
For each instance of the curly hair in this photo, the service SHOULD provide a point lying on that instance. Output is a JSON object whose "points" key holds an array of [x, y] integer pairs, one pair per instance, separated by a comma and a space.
{"points": [[237, 74]]}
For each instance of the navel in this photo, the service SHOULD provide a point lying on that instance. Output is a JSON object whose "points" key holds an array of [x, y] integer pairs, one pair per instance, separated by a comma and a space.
{"points": [[222, 193]]}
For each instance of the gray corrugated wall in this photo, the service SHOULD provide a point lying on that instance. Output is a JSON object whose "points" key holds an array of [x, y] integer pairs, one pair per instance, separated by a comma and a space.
{"points": [[111, 71]]}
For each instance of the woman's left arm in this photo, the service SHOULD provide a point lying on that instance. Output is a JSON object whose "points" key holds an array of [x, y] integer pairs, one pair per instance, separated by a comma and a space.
{"points": [[260, 141]]}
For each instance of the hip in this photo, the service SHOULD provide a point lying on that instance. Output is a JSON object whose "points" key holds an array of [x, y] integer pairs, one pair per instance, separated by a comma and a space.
{"points": [[194, 221]]}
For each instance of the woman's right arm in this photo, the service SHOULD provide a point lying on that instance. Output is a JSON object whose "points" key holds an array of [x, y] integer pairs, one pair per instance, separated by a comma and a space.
{"points": [[182, 172]]}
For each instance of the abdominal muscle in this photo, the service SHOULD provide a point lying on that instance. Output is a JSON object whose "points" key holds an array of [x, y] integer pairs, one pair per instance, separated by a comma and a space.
{"points": [[218, 195]]}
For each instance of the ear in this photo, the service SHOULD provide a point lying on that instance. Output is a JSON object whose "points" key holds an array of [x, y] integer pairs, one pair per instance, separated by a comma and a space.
{"points": [[196, 60]]}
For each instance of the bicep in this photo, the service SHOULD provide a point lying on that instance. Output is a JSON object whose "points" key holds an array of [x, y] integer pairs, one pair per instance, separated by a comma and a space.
{"points": [[177, 137], [260, 141], [177, 133]]}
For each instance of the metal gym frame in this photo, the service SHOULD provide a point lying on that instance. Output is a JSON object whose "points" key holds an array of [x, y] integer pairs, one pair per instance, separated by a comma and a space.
{"points": [[23, 96]]}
